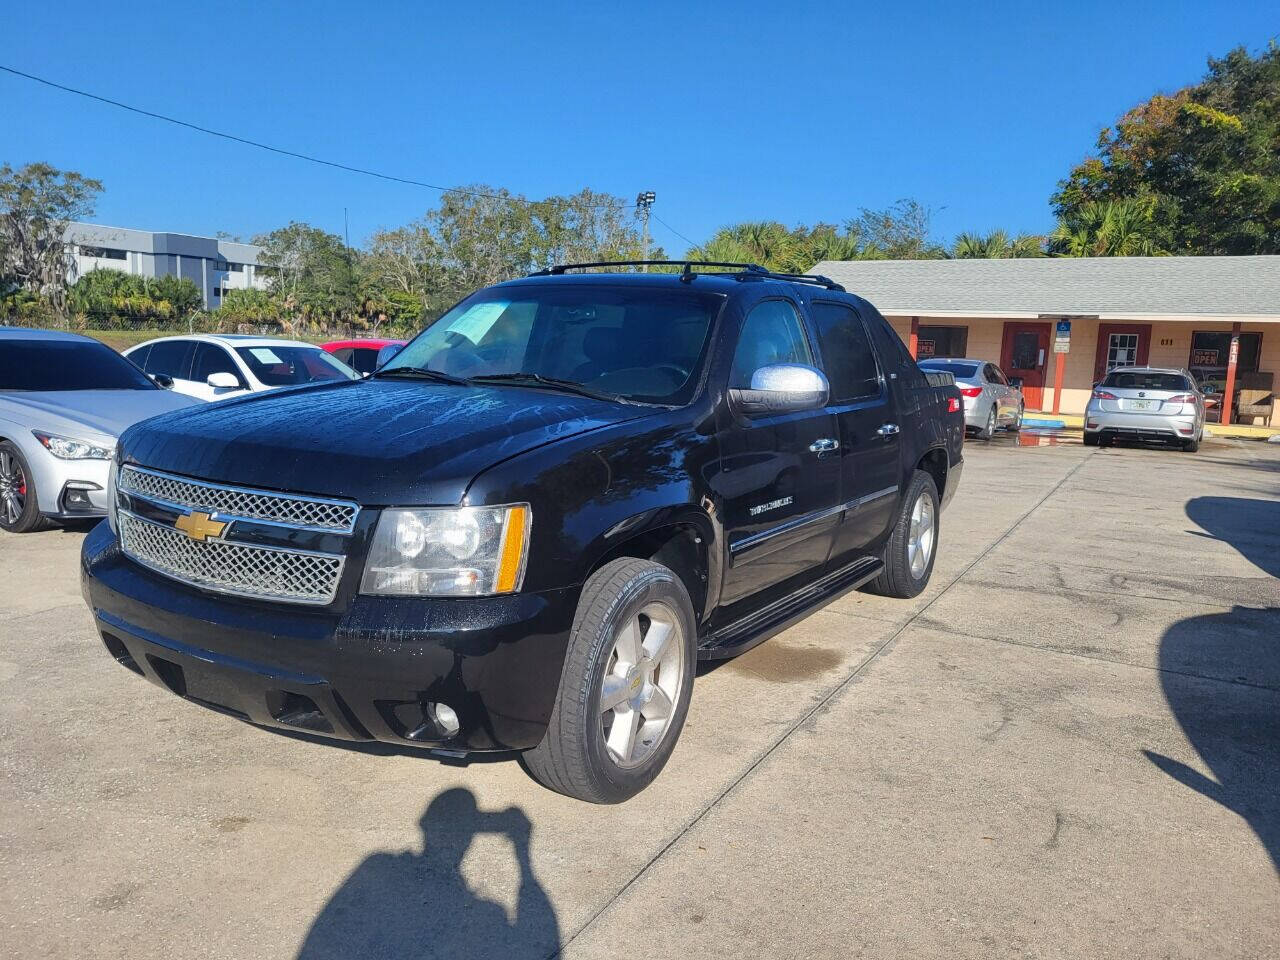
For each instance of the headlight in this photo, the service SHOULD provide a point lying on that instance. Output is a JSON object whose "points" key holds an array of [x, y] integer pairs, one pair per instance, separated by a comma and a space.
{"points": [[448, 551], [65, 448]]}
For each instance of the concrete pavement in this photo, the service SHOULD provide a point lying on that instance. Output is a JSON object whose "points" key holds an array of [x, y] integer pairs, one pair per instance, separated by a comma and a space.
{"points": [[1068, 746]]}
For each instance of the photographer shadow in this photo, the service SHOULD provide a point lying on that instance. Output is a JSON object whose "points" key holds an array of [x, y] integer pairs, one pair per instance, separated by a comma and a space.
{"points": [[417, 904]]}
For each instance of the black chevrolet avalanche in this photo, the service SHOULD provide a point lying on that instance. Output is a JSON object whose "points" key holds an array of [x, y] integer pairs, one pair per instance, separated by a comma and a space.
{"points": [[525, 529]]}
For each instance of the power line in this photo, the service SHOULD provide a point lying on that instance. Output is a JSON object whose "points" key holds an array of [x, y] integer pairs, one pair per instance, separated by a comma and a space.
{"points": [[266, 146], [692, 245]]}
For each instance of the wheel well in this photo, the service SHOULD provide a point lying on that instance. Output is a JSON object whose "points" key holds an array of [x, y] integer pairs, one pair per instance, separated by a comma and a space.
{"points": [[679, 547], [934, 463]]}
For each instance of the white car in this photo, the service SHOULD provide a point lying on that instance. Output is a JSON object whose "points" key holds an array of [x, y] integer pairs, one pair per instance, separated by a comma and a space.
{"points": [[217, 366]]}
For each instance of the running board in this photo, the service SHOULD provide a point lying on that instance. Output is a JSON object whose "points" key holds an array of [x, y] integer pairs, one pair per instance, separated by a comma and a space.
{"points": [[741, 635]]}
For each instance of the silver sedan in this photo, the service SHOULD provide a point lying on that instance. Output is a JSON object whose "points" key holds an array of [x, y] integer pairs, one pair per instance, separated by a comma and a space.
{"points": [[1146, 403], [991, 401], [64, 399]]}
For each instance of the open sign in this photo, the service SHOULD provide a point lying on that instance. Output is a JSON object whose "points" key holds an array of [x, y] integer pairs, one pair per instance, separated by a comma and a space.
{"points": [[1204, 358]]}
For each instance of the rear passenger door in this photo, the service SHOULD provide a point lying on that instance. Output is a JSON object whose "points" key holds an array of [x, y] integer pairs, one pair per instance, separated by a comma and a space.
{"points": [[870, 438], [1005, 400], [172, 358]]}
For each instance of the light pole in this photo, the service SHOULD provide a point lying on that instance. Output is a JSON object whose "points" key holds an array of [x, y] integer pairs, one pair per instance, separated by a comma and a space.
{"points": [[644, 200]]}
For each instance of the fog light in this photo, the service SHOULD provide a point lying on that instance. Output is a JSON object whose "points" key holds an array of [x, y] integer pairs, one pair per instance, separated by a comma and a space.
{"points": [[445, 718], [75, 496], [1092, 424], [1187, 430]]}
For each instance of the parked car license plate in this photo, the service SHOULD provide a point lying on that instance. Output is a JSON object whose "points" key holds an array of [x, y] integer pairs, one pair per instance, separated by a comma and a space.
{"points": [[1141, 404]]}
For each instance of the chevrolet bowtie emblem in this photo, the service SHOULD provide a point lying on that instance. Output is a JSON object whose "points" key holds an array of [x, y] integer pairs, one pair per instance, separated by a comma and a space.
{"points": [[199, 526]]}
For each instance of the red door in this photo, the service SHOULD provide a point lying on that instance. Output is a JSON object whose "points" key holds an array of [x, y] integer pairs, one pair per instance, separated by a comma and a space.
{"points": [[1024, 354], [1121, 345]]}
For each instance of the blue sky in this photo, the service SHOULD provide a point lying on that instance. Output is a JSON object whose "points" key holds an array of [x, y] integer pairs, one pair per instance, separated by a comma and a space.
{"points": [[795, 111]]}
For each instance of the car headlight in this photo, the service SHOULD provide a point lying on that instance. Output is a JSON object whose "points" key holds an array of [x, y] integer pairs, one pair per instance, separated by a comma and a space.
{"points": [[448, 551], [67, 448]]}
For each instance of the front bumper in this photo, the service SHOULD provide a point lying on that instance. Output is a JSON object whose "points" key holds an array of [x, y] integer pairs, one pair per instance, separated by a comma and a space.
{"points": [[368, 672], [1140, 425], [56, 479]]}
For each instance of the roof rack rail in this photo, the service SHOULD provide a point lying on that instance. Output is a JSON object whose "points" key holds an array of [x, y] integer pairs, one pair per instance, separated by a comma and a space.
{"points": [[749, 271]]}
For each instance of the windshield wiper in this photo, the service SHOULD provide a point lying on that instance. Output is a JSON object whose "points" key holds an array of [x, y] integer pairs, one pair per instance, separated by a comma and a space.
{"points": [[420, 373], [551, 383]]}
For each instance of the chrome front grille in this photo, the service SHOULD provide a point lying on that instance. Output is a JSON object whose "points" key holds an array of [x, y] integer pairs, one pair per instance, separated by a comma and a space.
{"points": [[315, 513], [248, 571], [195, 531]]}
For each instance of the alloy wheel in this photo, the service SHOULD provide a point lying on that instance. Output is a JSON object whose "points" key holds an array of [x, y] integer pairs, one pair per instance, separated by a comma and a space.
{"points": [[13, 488], [991, 423], [642, 683], [920, 538]]}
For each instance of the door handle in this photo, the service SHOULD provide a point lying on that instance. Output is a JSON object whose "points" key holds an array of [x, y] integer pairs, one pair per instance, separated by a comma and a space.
{"points": [[825, 445], [888, 430]]}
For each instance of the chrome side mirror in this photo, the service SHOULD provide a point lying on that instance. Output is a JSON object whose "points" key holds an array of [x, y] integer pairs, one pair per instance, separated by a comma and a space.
{"points": [[782, 388]]}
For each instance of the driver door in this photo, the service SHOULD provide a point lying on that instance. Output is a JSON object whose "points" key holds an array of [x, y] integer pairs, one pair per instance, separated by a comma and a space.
{"points": [[779, 474]]}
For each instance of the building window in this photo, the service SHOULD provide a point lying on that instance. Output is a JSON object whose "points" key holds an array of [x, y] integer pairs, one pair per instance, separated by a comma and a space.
{"points": [[942, 342], [104, 253], [217, 293], [235, 267], [1210, 351], [1122, 351]]}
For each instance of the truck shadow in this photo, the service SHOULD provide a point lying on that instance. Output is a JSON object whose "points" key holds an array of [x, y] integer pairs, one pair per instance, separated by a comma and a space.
{"points": [[1234, 725], [414, 903]]}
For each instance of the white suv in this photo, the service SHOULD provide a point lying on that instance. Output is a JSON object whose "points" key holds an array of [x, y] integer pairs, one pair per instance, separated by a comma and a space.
{"points": [[213, 367]]}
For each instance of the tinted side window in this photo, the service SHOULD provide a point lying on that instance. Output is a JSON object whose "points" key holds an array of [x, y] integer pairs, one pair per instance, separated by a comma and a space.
{"points": [[771, 334], [171, 357], [212, 359], [363, 360], [344, 354], [139, 357], [846, 351], [997, 375]]}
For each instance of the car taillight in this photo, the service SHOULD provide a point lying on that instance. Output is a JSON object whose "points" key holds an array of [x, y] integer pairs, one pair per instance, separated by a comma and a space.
{"points": [[971, 391], [953, 405], [1104, 395], [1182, 398]]}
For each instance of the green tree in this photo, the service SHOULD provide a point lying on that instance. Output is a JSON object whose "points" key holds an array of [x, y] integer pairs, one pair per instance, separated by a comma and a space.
{"points": [[312, 273], [1123, 227], [996, 245], [1204, 161], [37, 203], [249, 307], [107, 298]]}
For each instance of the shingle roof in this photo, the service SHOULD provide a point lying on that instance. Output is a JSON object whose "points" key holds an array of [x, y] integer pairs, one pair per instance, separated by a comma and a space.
{"points": [[1106, 286]]}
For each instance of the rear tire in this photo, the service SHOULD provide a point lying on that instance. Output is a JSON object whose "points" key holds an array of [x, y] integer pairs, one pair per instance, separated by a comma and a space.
{"points": [[1192, 445], [1091, 439], [622, 604], [904, 575], [989, 431], [19, 507]]}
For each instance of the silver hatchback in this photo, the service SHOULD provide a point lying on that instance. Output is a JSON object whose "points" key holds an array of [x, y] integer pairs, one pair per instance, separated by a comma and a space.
{"points": [[1146, 403]]}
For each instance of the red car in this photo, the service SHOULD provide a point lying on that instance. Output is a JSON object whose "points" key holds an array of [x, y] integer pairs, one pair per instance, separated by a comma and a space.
{"points": [[360, 355]]}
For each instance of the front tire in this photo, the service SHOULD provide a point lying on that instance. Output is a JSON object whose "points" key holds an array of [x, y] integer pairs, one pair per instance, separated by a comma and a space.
{"points": [[626, 685], [19, 508], [912, 545], [1016, 426]]}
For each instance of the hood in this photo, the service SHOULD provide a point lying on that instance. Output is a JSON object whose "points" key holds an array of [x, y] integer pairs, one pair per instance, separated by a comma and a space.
{"points": [[378, 442], [91, 414]]}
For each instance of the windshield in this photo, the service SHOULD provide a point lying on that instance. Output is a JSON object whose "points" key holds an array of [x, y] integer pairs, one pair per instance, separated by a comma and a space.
{"points": [[962, 371], [1146, 381], [641, 344], [279, 365], [66, 365]]}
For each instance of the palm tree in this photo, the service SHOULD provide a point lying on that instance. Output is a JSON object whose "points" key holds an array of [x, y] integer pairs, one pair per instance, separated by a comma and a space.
{"points": [[996, 245], [1123, 227]]}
